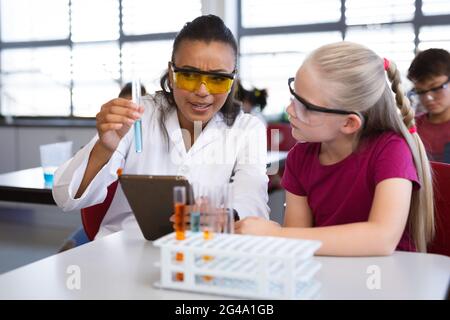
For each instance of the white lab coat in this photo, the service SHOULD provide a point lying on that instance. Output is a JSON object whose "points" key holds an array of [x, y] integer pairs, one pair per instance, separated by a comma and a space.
{"points": [[219, 155]]}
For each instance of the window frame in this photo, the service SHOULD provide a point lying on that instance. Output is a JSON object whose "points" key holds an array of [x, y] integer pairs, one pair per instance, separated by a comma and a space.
{"points": [[71, 119], [418, 21]]}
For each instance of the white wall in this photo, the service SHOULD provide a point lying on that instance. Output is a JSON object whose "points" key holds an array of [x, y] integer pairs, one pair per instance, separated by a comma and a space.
{"points": [[20, 145], [8, 149], [225, 9]]}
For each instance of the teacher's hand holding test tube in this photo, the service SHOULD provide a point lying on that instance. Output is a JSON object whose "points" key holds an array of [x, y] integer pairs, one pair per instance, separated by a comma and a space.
{"points": [[115, 120]]}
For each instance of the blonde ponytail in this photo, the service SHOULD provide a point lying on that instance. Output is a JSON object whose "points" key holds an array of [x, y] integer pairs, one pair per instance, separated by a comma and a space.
{"points": [[403, 104], [421, 216]]}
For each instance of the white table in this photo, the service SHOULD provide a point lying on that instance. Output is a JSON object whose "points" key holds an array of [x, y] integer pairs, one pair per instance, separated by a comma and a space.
{"points": [[120, 266], [25, 186], [29, 185]]}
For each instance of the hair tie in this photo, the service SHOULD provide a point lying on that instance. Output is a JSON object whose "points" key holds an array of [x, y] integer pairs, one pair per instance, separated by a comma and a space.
{"points": [[386, 64], [412, 129]]}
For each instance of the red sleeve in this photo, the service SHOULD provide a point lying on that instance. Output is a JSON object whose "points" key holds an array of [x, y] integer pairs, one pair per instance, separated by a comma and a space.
{"points": [[394, 160], [290, 181]]}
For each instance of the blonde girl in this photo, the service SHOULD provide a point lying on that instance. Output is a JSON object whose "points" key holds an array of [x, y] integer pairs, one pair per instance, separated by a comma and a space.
{"points": [[360, 182]]}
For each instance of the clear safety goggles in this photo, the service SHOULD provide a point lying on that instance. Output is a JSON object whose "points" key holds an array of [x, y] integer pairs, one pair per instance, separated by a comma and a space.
{"points": [[309, 113]]}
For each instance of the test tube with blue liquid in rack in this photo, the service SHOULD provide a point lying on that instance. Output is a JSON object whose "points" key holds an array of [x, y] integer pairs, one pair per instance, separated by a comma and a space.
{"points": [[136, 97], [195, 211]]}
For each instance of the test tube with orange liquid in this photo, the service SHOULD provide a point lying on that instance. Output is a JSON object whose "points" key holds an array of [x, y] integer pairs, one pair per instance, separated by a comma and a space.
{"points": [[179, 199]]}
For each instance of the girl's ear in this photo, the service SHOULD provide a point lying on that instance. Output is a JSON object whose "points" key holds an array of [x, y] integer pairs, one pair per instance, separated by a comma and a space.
{"points": [[352, 124]]}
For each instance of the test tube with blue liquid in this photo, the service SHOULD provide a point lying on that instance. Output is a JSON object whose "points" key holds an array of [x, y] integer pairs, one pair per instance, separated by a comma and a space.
{"points": [[136, 97], [195, 213]]}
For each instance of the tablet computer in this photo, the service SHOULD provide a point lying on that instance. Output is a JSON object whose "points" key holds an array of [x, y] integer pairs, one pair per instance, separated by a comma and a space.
{"points": [[151, 199]]}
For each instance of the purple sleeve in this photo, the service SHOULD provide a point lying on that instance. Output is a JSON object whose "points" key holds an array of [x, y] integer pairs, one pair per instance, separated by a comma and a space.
{"points": [[291, 172], [395, 160]]}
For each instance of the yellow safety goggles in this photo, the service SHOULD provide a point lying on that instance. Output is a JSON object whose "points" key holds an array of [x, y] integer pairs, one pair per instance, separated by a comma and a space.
{"points": [[191, 80]]}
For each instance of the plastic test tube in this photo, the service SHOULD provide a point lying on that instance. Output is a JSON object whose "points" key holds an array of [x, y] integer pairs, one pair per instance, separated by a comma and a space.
{"points": [[179, 199], [136, 97], [210, 210], [228, 206], [195, 212]]}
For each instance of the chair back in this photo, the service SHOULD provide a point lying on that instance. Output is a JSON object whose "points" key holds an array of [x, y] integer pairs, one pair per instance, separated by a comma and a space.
{"points": [[441, 241], [93, 216]]}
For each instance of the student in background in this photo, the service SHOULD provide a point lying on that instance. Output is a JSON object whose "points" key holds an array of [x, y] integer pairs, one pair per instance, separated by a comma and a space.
{"points": [[430, 71], [360, 181], [193, 127], [253, 101], [126, 92]]}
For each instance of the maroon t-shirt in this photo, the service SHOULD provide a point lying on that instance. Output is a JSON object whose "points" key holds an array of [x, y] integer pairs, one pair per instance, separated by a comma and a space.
{"points": [[434, 136], [343, 192]]}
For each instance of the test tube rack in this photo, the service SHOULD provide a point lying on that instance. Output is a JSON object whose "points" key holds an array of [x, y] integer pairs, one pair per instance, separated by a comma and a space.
{"points": [[241, 266]]}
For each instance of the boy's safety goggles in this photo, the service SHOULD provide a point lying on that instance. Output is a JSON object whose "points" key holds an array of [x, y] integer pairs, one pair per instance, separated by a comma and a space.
{"points": [[191, 80], [435, 90]]}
